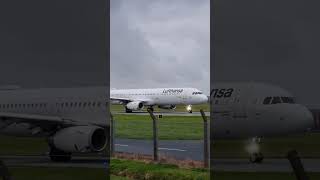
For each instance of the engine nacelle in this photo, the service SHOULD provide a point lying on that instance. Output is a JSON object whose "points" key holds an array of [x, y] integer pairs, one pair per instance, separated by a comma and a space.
{"points": [[167, 106], [136, 105], [80, 139]]}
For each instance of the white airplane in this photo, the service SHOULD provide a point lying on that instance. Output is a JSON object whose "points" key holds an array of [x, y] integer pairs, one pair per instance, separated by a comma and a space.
{"points": [[256, 110], [74, 120], [165, 98]]}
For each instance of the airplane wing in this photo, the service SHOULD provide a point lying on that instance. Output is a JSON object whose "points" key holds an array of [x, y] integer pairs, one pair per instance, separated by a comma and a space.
{"points": [[127, 100], [47, 123]]}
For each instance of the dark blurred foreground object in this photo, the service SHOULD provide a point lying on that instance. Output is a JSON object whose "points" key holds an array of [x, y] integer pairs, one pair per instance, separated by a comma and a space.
{"points": [[297, 165], [205, 139], [4, 172], [155, 135]]}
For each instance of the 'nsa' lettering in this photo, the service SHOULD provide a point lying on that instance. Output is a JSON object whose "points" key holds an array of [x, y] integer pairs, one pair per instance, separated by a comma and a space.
{"points": [[221, 93]]}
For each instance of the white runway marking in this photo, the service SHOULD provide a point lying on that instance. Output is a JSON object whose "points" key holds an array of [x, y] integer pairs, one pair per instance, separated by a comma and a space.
{"points": [[123, 145], [168, 149], [173, 149]]}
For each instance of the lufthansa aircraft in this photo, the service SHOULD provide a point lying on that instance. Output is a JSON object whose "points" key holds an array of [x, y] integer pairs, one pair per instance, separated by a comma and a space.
{"points": [[165, 98], [256, 110], [73, 120]]}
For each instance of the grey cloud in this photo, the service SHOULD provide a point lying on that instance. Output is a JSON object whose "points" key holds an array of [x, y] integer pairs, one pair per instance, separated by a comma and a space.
{"points": [[271, 41], [157, 44], [52, 43]]}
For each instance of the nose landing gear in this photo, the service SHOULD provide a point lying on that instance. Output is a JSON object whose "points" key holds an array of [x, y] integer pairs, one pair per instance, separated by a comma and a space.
{"points": [[253, 149], [189, 108], [256, 157]]}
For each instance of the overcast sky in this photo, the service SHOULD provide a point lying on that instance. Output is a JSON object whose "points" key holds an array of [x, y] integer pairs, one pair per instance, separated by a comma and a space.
{"points": [[160, 44], [269, 41], [53, 43]]}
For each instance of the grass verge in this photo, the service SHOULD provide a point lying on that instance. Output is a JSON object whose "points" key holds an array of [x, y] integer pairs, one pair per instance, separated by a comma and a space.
{"points": [[44, 173], [259, 176], [151, 171], [170, 127]]}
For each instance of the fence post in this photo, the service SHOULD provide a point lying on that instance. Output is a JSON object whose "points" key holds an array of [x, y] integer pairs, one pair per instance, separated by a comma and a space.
{"points": [[155, 135], [112, 127], [205, 139], [297, 166]]}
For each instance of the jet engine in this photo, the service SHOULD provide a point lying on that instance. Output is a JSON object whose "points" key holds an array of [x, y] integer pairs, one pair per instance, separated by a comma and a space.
{"points": [[80, 139], [167, 106], [136, 105]]}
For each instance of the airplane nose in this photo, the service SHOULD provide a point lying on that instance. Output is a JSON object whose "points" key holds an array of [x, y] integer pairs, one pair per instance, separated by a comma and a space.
{"points": [[204, 98], [305, 118], [309, 118]]}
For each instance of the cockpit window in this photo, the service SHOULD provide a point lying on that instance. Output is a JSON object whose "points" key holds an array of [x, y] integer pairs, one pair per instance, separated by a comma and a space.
{"points": [[267, 100], [194, 93], [276, 100], [288, 100]]}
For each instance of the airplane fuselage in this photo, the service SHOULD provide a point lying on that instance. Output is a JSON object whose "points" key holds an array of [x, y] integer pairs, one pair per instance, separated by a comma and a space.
{"points": [[161, 96], [75, 105], [243, 110]]}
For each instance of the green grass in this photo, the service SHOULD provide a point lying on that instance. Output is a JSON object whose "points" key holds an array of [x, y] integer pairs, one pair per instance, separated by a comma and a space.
{"points": [[170, 127], [44, 173], [191, 128], [129, 170], [306, 145], [141, 170], [259, 176], [22, 145], [179, 108]]}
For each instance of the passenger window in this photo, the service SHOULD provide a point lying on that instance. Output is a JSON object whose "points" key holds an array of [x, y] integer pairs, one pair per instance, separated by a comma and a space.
{"points": [[276, 100], [267, 100]]}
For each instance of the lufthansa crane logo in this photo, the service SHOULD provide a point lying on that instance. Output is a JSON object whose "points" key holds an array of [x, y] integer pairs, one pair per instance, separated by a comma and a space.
{"points": [[177, 91]]}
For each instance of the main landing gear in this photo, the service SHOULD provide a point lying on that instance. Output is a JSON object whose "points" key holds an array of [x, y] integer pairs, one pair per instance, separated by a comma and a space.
{"points": [[128, 110], [253, 149], [151, 109], [57, 155]]}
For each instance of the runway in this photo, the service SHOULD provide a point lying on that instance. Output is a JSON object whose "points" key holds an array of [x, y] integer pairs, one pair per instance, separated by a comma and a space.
{"points": [[178, 149], [229, 165], [163, 113]]}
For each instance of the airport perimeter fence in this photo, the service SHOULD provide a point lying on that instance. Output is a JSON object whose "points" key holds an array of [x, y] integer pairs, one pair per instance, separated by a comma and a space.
{"points": [[161, 136]]}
